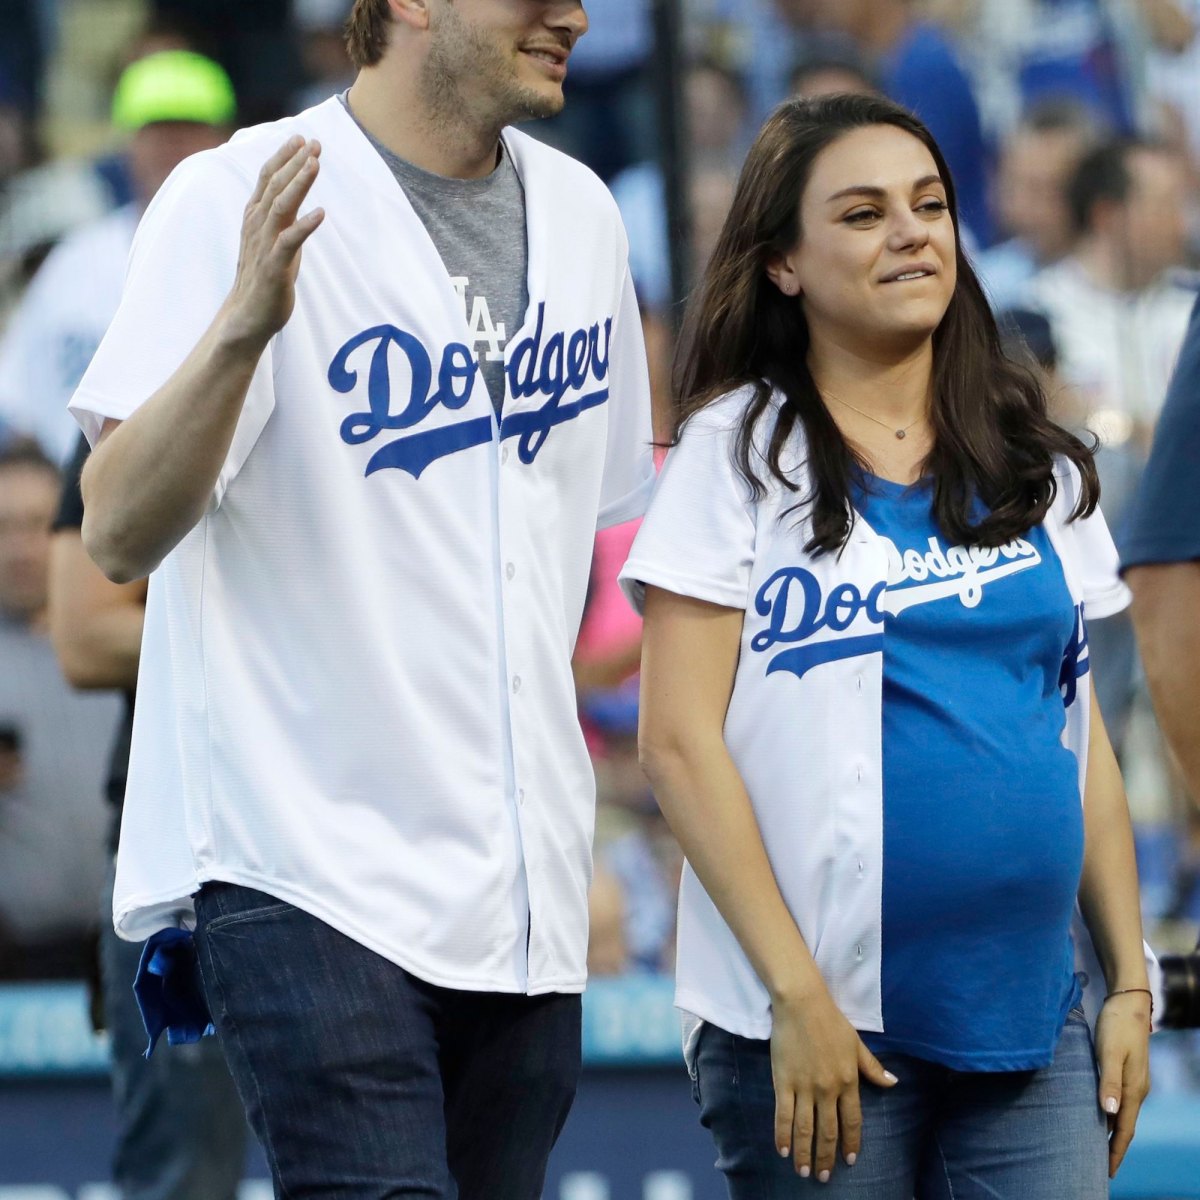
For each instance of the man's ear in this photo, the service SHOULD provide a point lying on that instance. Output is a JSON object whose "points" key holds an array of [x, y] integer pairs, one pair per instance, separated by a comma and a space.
{"points": [[414, 13]]}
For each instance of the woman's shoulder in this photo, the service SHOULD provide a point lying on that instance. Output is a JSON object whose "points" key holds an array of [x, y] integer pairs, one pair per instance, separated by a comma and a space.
{"points": [[729, 414]]}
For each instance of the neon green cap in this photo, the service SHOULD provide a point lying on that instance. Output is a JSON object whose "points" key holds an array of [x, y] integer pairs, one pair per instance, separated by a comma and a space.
{"points": [[173, 85]]}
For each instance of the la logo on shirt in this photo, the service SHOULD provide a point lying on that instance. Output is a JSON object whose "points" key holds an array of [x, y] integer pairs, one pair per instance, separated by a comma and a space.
{"points": [[487, 337]]}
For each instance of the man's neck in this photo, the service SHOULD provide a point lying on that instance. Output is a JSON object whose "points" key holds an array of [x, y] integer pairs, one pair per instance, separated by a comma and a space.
{"points": [[391, 107], [1105, 266], [882, 33]]}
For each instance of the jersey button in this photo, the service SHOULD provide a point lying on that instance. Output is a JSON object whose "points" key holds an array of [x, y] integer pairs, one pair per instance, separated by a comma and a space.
{"points": [[516, 683], [521, 797], [503, 455], [510, 570]]}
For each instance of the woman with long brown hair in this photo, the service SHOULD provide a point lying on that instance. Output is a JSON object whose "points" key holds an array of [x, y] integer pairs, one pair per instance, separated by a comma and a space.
{"points": [[866, 707]]}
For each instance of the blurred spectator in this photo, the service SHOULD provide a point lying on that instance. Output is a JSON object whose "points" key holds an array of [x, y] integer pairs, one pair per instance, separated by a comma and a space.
{"points": [[173, 104], [24, 34], [715, 110], [824, 72], [1030, 51], [917, 66], [633, 843], [52, 745], [1173, 73], [181, 1134], [1036, 166], [256, 43], [1116, 302], [1118, 317], [321, 26], [608, 121]]}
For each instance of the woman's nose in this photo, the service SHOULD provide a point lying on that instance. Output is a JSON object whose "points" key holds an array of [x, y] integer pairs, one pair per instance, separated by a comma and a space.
{"points": [[908, 231]]}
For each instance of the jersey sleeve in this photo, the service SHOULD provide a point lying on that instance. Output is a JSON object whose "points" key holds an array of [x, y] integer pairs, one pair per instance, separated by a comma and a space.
{"points": [[181, 269], [629, 455], [1093, 553], [698, 537]]}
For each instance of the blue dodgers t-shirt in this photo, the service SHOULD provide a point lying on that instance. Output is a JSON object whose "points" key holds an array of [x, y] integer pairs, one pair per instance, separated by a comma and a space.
{"points": [[982, 820]]}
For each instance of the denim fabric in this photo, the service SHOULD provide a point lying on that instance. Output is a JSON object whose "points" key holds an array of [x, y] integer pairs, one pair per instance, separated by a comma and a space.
{"points": [[939, 1134], [181, 1134], [362, 1081]]}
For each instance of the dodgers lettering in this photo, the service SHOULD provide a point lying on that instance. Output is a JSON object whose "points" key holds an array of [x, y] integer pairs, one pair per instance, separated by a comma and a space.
{"points": [[565, 363], [812, 612]]}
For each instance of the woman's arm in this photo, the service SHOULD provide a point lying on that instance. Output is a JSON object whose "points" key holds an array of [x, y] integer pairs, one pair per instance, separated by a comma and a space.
{"points": [[689, 658], [1109, 900]]}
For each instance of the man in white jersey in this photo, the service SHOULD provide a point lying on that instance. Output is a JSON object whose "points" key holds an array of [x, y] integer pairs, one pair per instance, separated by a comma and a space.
{"points": [[366, 487]]}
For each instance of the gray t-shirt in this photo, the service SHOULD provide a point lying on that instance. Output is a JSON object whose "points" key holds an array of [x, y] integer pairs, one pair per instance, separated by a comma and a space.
{"points": [[478, 228]]}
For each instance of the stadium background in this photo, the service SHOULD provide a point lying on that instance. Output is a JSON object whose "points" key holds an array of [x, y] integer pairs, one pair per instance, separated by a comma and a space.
{"points": [[663, 99]]}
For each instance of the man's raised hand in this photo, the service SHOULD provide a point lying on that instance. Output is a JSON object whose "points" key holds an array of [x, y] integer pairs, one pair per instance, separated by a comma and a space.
{"points": [[264, 290]]}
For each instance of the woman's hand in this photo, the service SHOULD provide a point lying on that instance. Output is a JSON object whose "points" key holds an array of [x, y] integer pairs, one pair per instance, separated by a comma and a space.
{"points": [[1123, 1054], [816, 1059]]}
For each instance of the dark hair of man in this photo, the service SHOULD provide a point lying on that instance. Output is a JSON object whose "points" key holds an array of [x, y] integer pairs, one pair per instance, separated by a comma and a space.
{"points": [[25, 452], [993, 439], [367, 32], [1103, 175]]}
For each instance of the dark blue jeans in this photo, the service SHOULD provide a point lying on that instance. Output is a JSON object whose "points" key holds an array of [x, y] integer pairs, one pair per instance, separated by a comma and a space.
{"points": [[938, 1134], [362, 1081]]}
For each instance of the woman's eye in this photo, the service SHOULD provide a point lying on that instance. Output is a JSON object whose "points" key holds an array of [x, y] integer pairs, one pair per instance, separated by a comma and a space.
{"points": [[933, 206], [860, 216]]}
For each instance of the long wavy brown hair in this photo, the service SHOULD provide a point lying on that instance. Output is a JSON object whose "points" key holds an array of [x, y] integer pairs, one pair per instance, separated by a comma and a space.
{"points": [[993, 439]]}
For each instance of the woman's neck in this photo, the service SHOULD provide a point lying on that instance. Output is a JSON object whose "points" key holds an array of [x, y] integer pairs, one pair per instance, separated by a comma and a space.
{"points": [[895, 391]]}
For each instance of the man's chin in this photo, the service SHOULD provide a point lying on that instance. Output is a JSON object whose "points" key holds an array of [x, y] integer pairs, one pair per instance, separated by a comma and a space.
{"points": [[537, 104]]}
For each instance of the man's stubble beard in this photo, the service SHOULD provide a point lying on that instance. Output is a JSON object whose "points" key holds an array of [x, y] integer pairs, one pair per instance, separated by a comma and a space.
{"points": [[460, 52]]}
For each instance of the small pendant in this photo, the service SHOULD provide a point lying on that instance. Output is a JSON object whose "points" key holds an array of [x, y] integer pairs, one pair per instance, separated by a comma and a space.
{"points": [[900, 433]]}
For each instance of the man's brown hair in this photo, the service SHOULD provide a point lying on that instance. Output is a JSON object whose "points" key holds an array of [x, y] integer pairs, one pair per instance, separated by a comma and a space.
{"points": [[367, 32]]}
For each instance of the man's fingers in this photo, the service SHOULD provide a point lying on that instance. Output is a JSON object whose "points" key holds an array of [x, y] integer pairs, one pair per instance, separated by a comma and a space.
{"points": [[297, 233], [827, 1139], [285, 152], [802, 1136], [287, 203], [850, 1121], [283, 178]]}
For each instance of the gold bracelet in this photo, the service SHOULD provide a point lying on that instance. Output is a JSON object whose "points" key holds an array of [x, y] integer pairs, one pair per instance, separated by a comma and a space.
{"points": [[1128, 991]]}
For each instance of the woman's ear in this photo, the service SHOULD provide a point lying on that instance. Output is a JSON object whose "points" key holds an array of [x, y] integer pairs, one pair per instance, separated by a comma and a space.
{"points": [[782, 275]]}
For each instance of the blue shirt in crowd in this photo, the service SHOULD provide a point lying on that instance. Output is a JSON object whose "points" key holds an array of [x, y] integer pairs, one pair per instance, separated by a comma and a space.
{"points": [[1164, 526], [923, 73], [982, 819]]}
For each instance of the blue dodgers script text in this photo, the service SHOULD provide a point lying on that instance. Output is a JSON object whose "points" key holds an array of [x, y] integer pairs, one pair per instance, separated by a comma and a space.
{"points": [[563, 363]]}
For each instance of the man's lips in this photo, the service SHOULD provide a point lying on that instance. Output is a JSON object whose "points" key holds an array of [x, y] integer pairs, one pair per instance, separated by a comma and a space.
{"points": [[552, 58]]}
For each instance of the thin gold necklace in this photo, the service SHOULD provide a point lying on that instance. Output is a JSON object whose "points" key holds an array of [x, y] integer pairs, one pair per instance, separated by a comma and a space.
{"points": [[900, 433]]}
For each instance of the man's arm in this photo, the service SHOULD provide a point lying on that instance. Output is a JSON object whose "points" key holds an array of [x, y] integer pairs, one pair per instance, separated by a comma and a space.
{"points": [[95, 625], [151, 476], [1166, 615]]}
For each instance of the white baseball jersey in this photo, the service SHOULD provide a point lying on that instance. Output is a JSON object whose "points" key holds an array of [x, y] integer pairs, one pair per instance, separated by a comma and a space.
{"points": [[355, 691], [804, 725], [56, 328]]}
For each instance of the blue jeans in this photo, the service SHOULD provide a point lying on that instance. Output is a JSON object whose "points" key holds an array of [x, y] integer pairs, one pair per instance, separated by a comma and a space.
{"points": [[181, 1134], [939, 1134], [362, 1081]]}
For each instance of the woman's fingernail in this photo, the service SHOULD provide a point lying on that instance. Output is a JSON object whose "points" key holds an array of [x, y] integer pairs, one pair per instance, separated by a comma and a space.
{"points": [[805, 1171], [851, 1159], [784, 1151], [1111, 1105], [890, 1077], [823, 1177]]}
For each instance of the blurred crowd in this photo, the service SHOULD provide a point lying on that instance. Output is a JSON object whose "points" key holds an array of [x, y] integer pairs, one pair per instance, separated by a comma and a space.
{"points": [[1072, 128]]}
